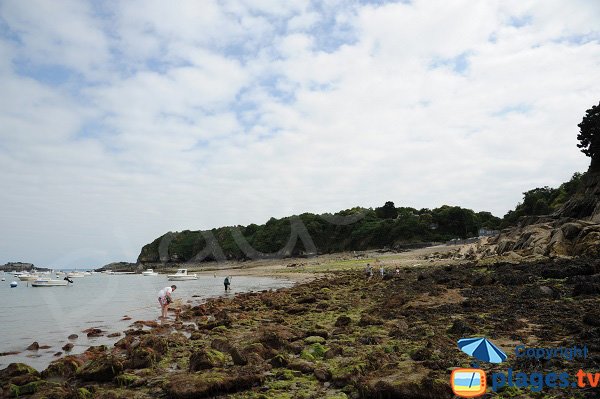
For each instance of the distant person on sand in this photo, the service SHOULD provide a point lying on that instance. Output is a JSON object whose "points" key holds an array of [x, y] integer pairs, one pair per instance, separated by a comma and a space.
{"points": [[164, 298], [397, 271], [382, 272], [369, 271], [227, 282]]}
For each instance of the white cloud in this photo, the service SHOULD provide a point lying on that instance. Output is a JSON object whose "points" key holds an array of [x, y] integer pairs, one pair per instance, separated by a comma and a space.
{"points": [[223, 113]]}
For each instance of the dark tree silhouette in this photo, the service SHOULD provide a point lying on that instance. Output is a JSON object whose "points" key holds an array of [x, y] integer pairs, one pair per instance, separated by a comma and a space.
{"points": [[388, 211], [589, 136]]}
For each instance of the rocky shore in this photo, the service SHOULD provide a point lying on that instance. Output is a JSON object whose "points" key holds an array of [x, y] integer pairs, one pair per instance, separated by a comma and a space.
{"points": [[342, 336]]}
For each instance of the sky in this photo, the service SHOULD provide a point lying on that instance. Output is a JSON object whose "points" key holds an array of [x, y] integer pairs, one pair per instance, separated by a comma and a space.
{"points": [[122, 120]]}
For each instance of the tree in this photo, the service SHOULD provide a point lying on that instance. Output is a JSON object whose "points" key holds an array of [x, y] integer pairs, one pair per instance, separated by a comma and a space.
{"points": [[589, 136], [388, 211]]}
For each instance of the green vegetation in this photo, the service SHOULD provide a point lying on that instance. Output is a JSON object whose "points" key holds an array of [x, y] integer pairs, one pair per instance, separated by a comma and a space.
{"points": [[589, 136], [543, 201], [387, 226]]}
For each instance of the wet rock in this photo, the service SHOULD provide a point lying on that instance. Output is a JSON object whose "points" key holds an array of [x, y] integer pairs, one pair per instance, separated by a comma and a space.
{"points": [[322, 374], [113, 335], [421, 354], [73, 336], [125, 342], [156, 343], [201, 385], [15, 370], [586, 289], [62, 369], [592, 318], [399, 388], [303, 366], [205, 359], [306, 299], [334, 351], [460, 327], [224, 345], [136, 332], [9, 353], [398, 329], [343, 321], [102, 369], [369, 340], [319, 332], [141, 358], [279, 361], [68, 347], [368, 320], [34, 346], [93, 332], [277, 337], [314, 339], [45, 347]]}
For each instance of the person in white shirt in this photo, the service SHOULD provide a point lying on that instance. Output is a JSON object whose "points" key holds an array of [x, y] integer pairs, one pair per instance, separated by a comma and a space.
{"points": [[164, 298]]}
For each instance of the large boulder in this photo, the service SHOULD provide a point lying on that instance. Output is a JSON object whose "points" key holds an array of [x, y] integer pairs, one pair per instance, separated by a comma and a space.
{"points": [[210, 384], [101, 369]]}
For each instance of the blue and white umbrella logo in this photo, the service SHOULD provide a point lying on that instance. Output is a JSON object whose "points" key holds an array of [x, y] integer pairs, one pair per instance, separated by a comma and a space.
{"points": [[482, 349]]}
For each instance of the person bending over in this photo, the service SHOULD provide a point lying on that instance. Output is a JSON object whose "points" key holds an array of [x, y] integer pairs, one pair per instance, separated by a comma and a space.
{"points": [[164, 298]]}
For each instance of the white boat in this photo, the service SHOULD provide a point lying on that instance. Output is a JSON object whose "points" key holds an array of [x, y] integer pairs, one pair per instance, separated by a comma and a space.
{"points": [[149, 272], [181, 275], [28, 277], [86, 273], [48, 282], [75, 275]]}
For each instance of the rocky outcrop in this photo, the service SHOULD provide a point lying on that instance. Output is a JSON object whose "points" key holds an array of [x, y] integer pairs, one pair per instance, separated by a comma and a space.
{"points": [[586, 203], [573, 230]]}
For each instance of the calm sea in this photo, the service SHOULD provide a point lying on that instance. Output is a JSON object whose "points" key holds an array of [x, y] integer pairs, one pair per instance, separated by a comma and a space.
{"points": [[49, 315]]}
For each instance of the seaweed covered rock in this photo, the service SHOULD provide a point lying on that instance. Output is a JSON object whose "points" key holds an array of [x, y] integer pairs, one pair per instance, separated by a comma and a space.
{"points": [[62, 369], [101, 369], [209, 384], [205, 359]]}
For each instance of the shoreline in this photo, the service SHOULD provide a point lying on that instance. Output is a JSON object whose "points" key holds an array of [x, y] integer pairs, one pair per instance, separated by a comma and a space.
{"points": [[341, 335]]}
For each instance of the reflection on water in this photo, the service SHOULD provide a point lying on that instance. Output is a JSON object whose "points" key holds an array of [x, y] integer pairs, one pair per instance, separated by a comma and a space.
{"points": [[49, 315]]}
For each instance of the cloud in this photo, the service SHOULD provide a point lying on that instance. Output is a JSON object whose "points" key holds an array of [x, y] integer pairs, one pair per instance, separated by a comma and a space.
{"points": [[126, 120]]}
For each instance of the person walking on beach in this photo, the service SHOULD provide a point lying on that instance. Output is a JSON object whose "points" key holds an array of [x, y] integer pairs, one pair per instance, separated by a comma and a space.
{"points": [[164, 298], [227, 282], [382, 271]]}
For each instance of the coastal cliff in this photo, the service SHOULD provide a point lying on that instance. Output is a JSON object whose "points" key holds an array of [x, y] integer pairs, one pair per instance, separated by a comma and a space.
{"points": [[573, 230]]}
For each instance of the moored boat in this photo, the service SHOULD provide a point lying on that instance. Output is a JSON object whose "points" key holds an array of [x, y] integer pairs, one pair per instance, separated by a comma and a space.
{"points": [[28, 277], [48, 282], [149, 272], [181, 275], [75, 275]]}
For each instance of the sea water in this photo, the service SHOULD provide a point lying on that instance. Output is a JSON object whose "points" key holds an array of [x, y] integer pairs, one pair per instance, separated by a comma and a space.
{"points": [[48, 315]]}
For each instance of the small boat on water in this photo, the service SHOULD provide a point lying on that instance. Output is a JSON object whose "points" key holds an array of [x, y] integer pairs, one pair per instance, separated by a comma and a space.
{"points": [[13, 284], [47, 282], [28, 277], [149, 272], [181, 275], [75, 275]]}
